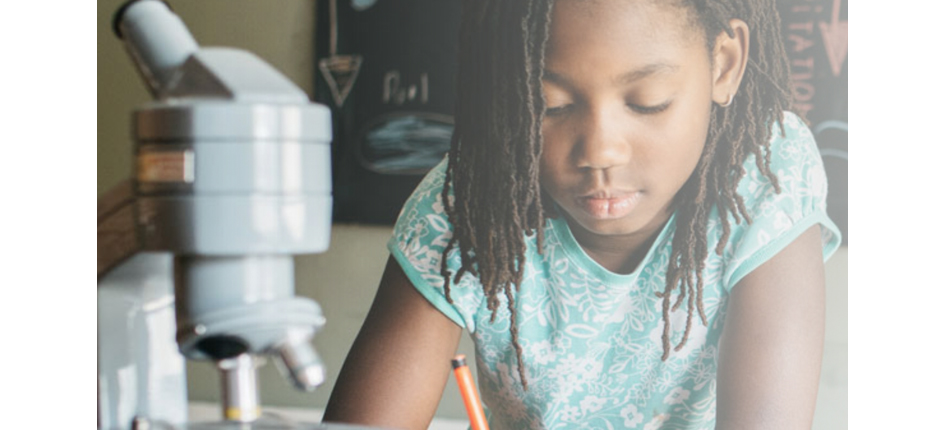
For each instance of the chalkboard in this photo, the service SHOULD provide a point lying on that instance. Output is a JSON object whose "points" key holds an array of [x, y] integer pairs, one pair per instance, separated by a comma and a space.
{"points": [[393, 114]]}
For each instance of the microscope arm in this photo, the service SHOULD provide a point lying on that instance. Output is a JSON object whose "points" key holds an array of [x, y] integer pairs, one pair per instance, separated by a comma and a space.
{"points": [[117, 238]]}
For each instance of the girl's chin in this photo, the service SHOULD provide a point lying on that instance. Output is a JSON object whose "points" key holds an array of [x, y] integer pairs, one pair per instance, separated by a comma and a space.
{"points": [[606, 227]]}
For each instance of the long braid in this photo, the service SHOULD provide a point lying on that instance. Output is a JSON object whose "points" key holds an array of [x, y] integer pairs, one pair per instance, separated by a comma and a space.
{"points": [[493, 167], [499, 113], [735, 132]]}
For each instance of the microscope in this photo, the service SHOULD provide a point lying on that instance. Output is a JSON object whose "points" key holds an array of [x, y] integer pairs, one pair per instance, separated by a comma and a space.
{"points": [[232, 178]]}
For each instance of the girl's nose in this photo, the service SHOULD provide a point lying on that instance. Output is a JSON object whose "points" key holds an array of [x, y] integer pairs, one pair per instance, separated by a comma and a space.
{"points": [[603, 142]]}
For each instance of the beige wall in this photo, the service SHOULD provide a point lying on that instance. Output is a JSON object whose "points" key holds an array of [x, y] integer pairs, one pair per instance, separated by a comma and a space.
{"points": [[342, 280]]}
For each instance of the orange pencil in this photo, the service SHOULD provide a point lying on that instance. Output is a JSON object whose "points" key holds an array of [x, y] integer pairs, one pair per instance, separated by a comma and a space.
{"points": [[477, 418]]}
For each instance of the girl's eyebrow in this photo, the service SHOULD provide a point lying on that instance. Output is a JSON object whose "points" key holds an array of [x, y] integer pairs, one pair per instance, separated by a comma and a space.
{"points": [[622, 79], [650, 69]]}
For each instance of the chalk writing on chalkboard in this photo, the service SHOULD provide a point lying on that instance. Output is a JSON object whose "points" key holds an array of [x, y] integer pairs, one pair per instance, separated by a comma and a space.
{"points": [[835, 39]]}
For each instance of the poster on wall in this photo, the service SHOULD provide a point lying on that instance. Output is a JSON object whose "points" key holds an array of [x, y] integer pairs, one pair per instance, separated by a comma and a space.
{"points": [[815, 38]]}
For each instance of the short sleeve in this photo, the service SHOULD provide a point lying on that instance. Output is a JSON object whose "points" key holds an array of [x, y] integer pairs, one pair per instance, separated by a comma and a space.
{"points": [[779, 218], [421, 234]]}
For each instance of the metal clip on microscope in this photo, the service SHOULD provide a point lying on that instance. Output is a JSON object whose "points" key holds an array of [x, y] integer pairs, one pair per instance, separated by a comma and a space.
{"points": [[232, 177]]}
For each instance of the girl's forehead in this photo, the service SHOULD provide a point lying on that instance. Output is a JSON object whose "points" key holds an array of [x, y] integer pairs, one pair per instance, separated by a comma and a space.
{"points": [[666, 12], [579, 24]]}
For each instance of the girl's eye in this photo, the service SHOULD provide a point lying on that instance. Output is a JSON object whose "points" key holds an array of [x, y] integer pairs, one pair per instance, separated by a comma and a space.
{"points": [[649, 110], [557, 110]]}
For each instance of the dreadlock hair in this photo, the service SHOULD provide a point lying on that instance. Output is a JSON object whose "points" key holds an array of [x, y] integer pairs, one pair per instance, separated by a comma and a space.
{"points": [[496, 145]]}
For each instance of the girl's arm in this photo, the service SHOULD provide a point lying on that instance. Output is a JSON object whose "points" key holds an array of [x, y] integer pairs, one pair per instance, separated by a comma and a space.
{"points": [[399, 364], [772, 342]]}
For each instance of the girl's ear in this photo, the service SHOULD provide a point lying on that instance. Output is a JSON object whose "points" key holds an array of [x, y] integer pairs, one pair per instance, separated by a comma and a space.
{"points": [[730, 57]]}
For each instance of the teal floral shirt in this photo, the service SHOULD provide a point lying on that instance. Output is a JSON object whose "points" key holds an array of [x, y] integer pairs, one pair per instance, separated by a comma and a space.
{"points": [[590, 337]]}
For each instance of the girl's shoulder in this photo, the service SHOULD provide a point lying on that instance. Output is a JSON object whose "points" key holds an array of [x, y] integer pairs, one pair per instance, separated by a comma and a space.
{"points": [[423, 214], [421, 234], [423, 217], [780, 211]]}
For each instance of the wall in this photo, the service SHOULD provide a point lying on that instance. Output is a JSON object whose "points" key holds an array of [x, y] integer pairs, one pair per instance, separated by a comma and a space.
{"points": [[342, 280]]}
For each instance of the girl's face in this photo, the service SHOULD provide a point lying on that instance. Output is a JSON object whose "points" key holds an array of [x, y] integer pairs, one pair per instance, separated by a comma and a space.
{"points": [[628, 91]]}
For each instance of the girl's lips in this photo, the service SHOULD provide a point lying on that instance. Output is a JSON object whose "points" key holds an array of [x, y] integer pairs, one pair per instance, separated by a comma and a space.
{"points": [[608, 206]]}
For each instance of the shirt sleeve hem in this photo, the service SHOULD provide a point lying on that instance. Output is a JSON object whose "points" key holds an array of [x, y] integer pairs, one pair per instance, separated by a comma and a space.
{"points": [[424, 288], [777, 245]]}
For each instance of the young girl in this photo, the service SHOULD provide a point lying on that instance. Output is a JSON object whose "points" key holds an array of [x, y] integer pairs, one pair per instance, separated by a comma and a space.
{"points": [[629, 224]]}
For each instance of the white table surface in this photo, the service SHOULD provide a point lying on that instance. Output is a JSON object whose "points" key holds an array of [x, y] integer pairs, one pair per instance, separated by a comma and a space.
{"points": [[206, 411]]}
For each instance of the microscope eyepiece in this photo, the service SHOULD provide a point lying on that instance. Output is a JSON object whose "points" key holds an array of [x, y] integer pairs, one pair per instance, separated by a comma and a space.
{"points": [[120, 14]]}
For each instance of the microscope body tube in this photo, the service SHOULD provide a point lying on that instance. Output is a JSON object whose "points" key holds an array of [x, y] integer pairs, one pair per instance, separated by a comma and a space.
{"points": [[231, 179]]}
